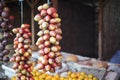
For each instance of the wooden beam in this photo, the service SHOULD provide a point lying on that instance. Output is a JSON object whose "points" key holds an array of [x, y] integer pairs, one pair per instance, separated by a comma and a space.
{"points": [[32, 5], [100, 30]]}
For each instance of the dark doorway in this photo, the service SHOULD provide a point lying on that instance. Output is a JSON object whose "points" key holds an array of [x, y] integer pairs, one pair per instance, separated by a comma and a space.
{"points": [[78, 25]]}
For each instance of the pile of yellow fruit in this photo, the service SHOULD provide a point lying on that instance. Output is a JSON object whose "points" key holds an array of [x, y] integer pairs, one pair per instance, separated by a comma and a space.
{"points": [[70, 76]]}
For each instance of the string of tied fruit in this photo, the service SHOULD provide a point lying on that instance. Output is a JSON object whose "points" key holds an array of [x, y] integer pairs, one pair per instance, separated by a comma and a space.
{"points": [[21, 58], [6, 21], [49, 37]]}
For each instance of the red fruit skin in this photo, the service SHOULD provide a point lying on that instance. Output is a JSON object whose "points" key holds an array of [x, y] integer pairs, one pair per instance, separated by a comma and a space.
{"points": [[26, 30], [26, 36], [47, 43], [15, 46], [22, 50], [15, 30], [20, 45], [45, 61], [41, 52], [21, 31], [29, 33], [41, 46], [46, 56], [47, 18], [26, 46], [17, 59], [26, 66], [18, 35], [16, 39], [55, 15], [54, 65], [29, 70], [51, 10], [47, 67], [51, 54], [53, 21], [46, 37], [43, 13], [40, 66], [25, 26], [31, 78]]}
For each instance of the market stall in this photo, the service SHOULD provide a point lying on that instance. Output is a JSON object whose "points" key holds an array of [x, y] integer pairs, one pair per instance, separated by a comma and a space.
{"points": [[76, 63]]}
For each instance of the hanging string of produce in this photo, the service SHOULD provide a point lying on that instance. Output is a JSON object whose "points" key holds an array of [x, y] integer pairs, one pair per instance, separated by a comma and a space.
{"points": [[22, 64], [6, 26], [23, 52], [49, 38]]}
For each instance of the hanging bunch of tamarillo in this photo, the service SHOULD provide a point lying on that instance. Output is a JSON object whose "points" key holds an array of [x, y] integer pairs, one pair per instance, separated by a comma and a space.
{"points": [[23, 52], [6, 21], [49, 37]]}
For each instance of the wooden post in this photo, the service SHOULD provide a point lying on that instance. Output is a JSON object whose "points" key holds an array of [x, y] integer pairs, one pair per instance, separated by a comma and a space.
{"points": [[100, 30], [32, 3]]}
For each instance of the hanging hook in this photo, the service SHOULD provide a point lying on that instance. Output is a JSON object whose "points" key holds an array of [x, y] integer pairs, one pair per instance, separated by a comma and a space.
{"points": [[49, 1], [21, 4]]}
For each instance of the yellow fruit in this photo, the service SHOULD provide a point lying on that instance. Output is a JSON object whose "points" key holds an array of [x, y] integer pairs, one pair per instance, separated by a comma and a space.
{"points": [[90, 76], [78, 74], [36, 78], [73, 75], [81, 77], [13, 78], [38, 73], [57, 75], [74, 79], [69, 78], [94, 78], [83, 73], [69, 73], [90, 79], [62, 78], [54, 78], [48, 78], [86, 79]]}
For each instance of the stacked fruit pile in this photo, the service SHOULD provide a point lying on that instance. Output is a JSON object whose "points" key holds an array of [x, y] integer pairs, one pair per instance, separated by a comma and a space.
{"points": [[22, 64], [70, 76], [49, 37], [5, 31]]}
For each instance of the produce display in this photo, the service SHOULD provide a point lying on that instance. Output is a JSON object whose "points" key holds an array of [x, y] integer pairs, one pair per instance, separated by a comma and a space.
{"points": [[5, 31], [49, 37], [70, 76], [21, 58]]}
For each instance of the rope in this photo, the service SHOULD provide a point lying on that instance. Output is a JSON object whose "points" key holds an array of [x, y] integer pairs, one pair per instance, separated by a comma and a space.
{"points": [[21, 4]]}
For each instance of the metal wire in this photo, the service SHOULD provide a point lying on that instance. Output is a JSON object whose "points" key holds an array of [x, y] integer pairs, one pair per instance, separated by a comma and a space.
{"points": [[49, 1], [21, 4]]}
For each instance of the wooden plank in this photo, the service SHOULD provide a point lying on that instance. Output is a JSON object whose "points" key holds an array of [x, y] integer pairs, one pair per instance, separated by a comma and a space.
{"points": [[100, 31]]}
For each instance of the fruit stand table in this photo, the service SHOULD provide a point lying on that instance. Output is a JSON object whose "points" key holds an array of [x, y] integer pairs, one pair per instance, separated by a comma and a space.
{"points": [[89, 65]]}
